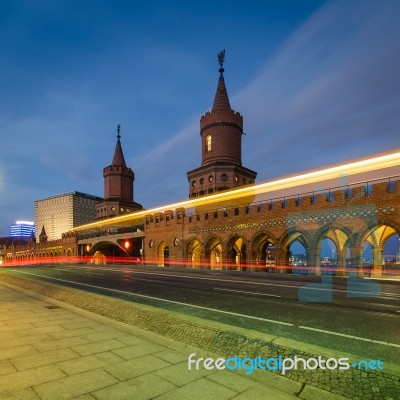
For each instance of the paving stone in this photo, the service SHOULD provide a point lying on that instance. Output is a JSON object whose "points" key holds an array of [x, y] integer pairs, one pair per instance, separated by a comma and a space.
{"points": [[199, 390], [108, 329], [19, 394], [6, 367], [136, 367], [141, 388], [76, 385], [259, 393], [6, 354], [87, 363], [98, 347], [173, 357], [86, 396], [48, 329], [28, 332], [81, 324], [97, 336], [314, 393], [179, 374], [35, 376], [21, 341], [232, 380], [276, 381], [58, 322], [138, 350], [16, 327], [131, 340], [46, 358], [60, 343], [70, 333]]}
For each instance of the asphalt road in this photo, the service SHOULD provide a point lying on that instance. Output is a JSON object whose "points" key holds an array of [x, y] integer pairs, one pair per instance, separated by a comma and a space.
{"points": [[347, 314]]}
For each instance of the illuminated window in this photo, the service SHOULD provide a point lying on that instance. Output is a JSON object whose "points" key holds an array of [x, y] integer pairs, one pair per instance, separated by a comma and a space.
{"points": [[208, 143]]}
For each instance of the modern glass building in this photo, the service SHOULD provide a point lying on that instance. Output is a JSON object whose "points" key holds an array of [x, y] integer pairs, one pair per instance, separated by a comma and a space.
{"points": [[22, 229]]}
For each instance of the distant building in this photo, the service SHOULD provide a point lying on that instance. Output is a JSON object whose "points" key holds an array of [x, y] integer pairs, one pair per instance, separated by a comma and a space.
{"points": [[23, 229], [60, 213]]}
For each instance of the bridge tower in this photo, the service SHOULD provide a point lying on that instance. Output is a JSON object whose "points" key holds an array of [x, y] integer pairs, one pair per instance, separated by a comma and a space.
{"points": [[118, 186], [221, 133]]}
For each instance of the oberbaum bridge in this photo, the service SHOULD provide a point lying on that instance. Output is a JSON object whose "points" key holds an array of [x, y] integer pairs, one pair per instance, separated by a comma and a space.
{"points": [[229, 222]]}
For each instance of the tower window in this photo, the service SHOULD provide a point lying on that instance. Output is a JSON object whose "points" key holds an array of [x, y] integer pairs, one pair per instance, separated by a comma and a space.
{"points": [[208, 143]]}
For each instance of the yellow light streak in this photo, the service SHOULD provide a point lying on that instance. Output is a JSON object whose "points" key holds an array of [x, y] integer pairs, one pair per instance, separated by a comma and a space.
{"points": [[353, 168]]}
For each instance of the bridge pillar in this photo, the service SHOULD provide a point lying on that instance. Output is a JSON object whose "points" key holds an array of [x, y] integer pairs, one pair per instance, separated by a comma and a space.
{"points": [[204, 261], [341, 263], [252, 259], [377, 254], [313, 261], [282, 260], [356, 265]]}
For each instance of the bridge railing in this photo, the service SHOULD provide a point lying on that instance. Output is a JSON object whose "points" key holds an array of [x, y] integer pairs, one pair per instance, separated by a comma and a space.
{"points": [[366, 189], [110, 232]]}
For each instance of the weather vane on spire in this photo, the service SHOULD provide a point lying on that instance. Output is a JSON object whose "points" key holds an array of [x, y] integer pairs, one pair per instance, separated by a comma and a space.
{"points": [[119, 131], [221, 59]]}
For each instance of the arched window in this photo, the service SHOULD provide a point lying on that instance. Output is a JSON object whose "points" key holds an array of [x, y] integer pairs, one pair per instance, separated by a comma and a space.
{"points": [[208, 143]]}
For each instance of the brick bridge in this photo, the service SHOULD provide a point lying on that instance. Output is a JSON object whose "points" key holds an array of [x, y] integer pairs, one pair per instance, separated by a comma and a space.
{"points": [[259, 234], [255, 226]]}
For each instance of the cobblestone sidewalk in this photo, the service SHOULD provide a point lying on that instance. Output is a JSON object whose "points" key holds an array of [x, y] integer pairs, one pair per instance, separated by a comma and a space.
{"points": [[48, 352]]}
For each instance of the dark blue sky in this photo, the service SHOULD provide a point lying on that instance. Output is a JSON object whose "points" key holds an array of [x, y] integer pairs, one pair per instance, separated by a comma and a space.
{"points": [[316, 81]]}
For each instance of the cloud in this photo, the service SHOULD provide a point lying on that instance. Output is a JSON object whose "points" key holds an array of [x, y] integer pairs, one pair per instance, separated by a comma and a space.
{"points": [[329, 94]]}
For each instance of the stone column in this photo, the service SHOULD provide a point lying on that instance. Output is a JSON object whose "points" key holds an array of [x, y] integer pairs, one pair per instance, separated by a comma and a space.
{"points": [[313, 261], [341, 263], [282, 260], [356, 265], [377, 253]]}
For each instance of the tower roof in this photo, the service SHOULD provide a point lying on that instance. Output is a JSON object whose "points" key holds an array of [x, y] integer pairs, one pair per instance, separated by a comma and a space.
{"points": [[221, 99], [119, 158]]}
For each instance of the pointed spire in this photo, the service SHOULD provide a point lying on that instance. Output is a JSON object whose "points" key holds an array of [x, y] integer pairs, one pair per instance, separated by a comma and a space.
{"points": [[221, 99], [119, 159], [43, 232]]}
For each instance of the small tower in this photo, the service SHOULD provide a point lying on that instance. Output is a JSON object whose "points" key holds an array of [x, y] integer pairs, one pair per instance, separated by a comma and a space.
{"points": [[43, 236], [221, 147], [118, 186]]}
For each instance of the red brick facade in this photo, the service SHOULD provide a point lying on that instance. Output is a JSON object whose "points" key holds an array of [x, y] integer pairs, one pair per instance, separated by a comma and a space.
{"points": [[238, 236]]}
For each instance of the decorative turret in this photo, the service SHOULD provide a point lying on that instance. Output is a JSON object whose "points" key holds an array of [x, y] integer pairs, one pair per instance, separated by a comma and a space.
{"points": [[221, 136], [118, 178], [221, 129], [43, 236], [118, 185]]}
